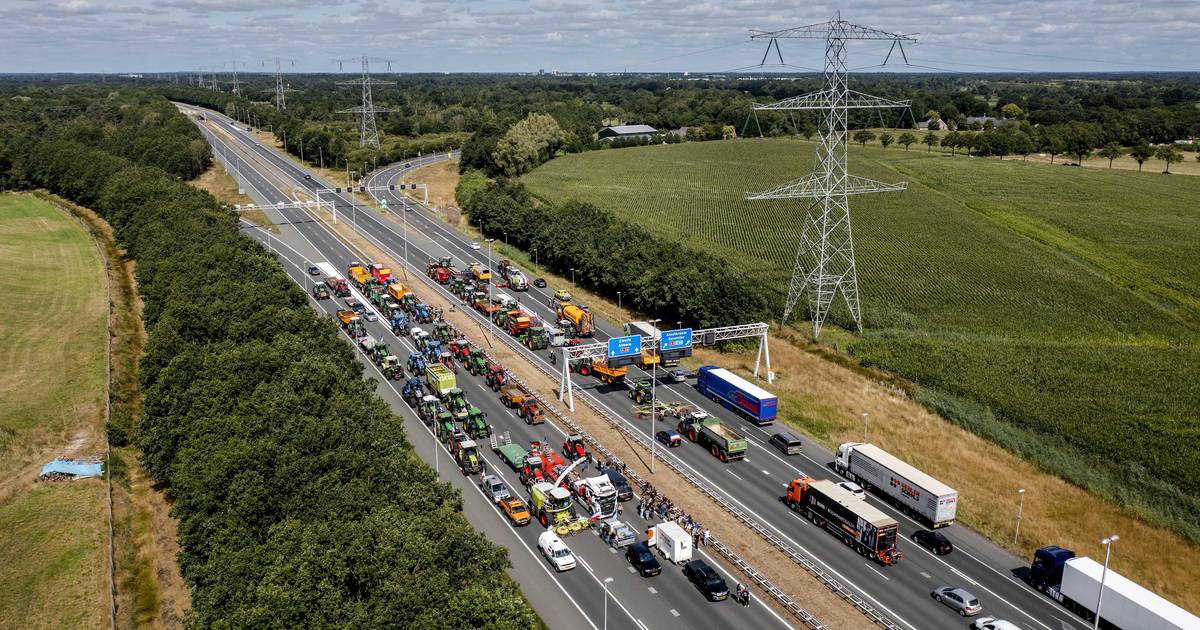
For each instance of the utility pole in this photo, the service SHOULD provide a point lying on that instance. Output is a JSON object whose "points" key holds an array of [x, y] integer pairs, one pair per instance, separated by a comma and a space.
{"points": [[368, 132], [824, 265], [279, 90], [653, 399]]}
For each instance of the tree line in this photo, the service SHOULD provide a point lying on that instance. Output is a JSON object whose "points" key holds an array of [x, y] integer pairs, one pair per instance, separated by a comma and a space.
{"points": [[300, 501], [657, 276]]}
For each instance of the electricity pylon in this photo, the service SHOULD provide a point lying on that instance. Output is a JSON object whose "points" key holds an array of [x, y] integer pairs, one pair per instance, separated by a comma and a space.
{"points": [[368, 132], [824, 265], [279, 91]]}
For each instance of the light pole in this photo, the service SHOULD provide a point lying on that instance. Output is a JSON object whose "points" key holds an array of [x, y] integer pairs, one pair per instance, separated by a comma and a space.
{"points": [[1020, 508], [1107, 542], [572, 278], [606, 582], [506, 239], [865, 414], [489, 284], [535, 257], [653, 398], [618, 300]]}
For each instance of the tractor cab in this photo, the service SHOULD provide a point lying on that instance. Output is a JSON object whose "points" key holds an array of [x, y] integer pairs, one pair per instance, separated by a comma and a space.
{"points": [[574, 448], [532, 471], [428, 409], [496, 376], [445, 425], [456, 401], [475, 424]]}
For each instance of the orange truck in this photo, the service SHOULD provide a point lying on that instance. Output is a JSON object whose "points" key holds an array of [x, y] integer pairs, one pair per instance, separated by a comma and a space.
{"points": [[398, 291], [858, 523], [481, 273], [580, 317], [358, 274]]}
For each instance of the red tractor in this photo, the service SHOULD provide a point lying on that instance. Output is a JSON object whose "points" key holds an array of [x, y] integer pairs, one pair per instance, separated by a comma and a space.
{"points": [[461, 349], [496, 376], [574, 448]]}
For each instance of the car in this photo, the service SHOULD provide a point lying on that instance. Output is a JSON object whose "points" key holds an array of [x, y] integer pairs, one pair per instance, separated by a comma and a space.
{"points": [[933, 541], [640, 558], [312, 270], [307, 176], [369, 316], [494, 488], [957, 599], [706, 579], [853, 488], [787, 442], [562, 295], [540, 283], [556, 551], [355, 305], [668, 438], [474, 244], [515, 510], [992, 623], [624, 490], [678, 376]]}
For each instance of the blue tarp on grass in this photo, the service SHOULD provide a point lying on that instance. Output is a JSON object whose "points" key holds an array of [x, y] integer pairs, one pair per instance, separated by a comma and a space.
{"points": [[71, 467]]}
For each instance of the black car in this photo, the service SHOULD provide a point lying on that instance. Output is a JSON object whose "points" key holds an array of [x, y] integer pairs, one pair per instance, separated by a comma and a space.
{"points": [[313, 271], [706, 579], [638, 555], [540, 283], [624, 491], [933, 541]]}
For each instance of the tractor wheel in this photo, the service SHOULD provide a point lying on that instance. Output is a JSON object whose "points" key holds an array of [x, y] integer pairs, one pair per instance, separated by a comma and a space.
{"points": [[544, 521], [584, 371], [692, 435]]}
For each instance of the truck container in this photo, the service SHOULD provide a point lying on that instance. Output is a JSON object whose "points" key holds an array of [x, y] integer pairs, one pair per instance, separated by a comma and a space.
{"points": [[673, 542], [599, 368], [724, 443], [580, 317], [397, 291], [1075, 582], [380, 273], [512, 454], [737, 394], [359, 275], [859, 524], [440, 379], [913, 491], [646, 330], [481, 273]]}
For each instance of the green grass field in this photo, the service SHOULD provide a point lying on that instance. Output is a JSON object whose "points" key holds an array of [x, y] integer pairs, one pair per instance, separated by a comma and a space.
{"points": [[1065, 300], [52, 380]]}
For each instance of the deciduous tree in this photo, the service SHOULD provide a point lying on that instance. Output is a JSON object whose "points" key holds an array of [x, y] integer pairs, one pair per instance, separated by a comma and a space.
{"points": [[863, 136], [907, 139]]}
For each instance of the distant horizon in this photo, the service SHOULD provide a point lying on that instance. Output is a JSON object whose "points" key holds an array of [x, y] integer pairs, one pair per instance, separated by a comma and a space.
{"points": [[148, 74]]}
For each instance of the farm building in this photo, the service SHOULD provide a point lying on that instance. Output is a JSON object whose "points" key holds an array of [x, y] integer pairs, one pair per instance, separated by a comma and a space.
{"points": [[626, 131], [936, 125]]}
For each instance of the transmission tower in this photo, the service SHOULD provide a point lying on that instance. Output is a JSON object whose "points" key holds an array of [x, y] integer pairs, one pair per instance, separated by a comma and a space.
{"points": [[237, 87], [279, 91], [824, 265], [367, 131]]}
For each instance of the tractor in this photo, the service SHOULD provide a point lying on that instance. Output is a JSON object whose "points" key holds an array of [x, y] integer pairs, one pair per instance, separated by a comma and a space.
{"points": [[428, 409], [496, 376], [380, 351], [461, 349], [320, 291], [475, 425], [456, 402], [422, 313], [391, 368], [441, 332], [416, 363], [432, 350], [408, 303], [477, 362], [412, 391], [640, 392], [444, 426], [447, 360], [574, 448], [466, 454], [398, 322], [536, 339]]}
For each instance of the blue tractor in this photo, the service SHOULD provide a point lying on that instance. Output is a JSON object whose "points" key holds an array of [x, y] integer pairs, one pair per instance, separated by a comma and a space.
{"points": [[413, 388], [423, 314], [399, 322], [433, 350], [416, 363]]}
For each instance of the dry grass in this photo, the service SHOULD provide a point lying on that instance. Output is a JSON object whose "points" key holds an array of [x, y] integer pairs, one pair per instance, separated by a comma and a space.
{"points": [[441, 178], [826, 401], [220, 184], [52, 569]]}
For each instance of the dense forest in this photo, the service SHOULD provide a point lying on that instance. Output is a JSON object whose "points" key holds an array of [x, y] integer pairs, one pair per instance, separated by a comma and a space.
{"points": [[433, 112], [300, 501]]}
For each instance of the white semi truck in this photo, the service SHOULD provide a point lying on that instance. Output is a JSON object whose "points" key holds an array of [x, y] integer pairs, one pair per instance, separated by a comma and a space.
{"points": [[913, 491]]}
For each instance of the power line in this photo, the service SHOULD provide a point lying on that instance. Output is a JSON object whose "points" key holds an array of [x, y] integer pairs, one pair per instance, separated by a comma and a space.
{"points": [[368, 131]]}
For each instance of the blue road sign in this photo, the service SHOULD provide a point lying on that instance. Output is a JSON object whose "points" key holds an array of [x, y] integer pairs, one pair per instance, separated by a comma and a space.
{"points": [[675, 339], [624, 346]]}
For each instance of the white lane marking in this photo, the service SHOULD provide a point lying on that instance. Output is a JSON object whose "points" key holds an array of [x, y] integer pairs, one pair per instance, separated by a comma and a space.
{"points": [[766, 472], [674, 613], [631, 569], [925, 575], [652, 591], [734, 474], [963, 576], [584, 563], [878, 573]]}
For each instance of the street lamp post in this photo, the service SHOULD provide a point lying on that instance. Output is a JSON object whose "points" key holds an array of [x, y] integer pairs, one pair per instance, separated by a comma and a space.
{"points": [[489, 284], [606, 583], [653, 398], [506, 239], [865, 414], [618, 300], [1107, 542], [535, 263], [1020, 508], [573, 279]]}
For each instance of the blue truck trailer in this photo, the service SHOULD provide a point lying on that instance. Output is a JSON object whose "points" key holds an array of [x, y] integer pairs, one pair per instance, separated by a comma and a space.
{"points": [[737, 394]]}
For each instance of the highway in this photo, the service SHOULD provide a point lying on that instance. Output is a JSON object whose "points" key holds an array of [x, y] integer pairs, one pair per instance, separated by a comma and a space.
{"points": [[571, 599], [900, 592]]}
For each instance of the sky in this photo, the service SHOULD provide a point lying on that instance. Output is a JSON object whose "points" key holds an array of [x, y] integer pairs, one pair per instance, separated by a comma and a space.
{"points": [[579, 36]]}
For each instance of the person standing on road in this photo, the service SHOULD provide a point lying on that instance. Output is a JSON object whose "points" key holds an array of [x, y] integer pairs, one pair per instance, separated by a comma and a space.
{"points": [[706, 538]]}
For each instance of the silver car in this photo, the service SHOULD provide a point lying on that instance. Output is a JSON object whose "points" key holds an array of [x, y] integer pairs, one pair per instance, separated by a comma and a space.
{"points": [[958, 599]]}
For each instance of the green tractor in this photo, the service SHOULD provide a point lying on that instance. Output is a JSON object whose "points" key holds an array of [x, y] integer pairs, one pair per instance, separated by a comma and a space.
{"points": [[441, 332], [475, 425], [428, 409], [444, 427], [640, 393], [391, 367], [477, 362], [408, 302], [536, 338], [379, 352], [456, 402]]}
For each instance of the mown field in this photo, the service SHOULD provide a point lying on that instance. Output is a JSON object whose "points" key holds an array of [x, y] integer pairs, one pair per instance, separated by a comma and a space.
{"points": [[1065, 300], [52, 384]]}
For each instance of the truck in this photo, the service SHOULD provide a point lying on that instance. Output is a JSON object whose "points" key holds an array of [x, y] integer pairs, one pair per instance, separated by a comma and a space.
{"points": [[598, 495], [645, 330], [705, 430], [380, 273], [358, 274], [555, 336], [579, 316], [517, 280], [600, 368], [441, 271], [397, 291], [672, 542], [913, 491], [526, 406], [859, 524], [1075, 582], [320, 291], [480, 273], [551, 504], [737, 394], [351, 323], [440, 380]]}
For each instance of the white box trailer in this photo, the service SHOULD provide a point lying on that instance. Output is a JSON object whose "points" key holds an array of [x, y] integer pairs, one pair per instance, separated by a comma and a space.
{"points": [[1126, 604], [672, 542], [914, 491]]}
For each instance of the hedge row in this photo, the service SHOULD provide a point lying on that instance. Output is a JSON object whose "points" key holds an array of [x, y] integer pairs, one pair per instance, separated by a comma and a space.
{"points": [[301, 503], [655, 276]]}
